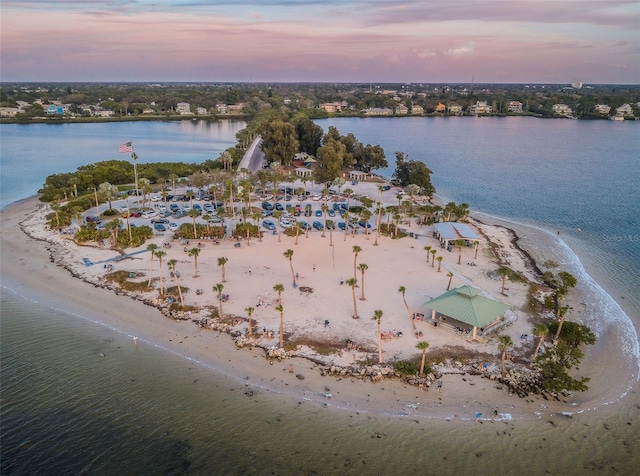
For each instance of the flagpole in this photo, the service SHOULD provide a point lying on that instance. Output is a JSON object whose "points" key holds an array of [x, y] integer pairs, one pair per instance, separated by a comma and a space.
{"points": [[135, 169]]}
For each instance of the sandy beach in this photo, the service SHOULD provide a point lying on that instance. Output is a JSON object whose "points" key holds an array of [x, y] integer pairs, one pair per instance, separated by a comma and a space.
{"points": [[39, 267]]}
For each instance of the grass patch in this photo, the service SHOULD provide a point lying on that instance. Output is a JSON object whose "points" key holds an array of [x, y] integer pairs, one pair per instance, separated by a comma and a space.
{"points": [[124, 280]]}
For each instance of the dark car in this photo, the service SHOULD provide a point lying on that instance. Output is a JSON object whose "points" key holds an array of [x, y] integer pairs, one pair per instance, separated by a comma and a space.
{"points": [[342, 225], [267, 206], [197, 208], [364, 224], [174, 207], [318, 225], [159, 220], [93, 219], [279, 207], [160, 227], [303, 225], [269, 225], [318, 213]]}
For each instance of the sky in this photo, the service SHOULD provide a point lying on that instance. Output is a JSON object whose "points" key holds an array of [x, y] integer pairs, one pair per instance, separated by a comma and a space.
{"points": [[413, 41]]}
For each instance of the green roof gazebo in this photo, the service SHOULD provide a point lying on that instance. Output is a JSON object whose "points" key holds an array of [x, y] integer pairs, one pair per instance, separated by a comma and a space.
{"points": [[467, 305]]}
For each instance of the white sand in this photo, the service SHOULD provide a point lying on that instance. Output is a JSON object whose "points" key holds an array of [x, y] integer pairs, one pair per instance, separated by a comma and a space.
{"points": [[392, 264]]}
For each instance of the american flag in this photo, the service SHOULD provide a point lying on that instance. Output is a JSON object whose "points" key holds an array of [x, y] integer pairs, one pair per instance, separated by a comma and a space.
{"points": [[126, 147]]}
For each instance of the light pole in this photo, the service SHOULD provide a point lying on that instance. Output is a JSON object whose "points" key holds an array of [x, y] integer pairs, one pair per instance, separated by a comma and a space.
{"points": [[134, 156], [95, 193]]}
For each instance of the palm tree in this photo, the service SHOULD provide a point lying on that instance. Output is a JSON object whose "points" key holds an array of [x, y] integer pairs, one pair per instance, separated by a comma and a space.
{"points": [[396, 222], [325, 208], [279, 288], [380, 211], [330, 225], [356, 250], [423, 346], [160, 255], [218, 290], [563, 314], [439, 258], [346, 225], [172, 266], [450, 276], [402, 290], [277, 214], [540, 330], [428, 249], [433, 257], [193, 213], [221, 262], [280, 309], [504, 344], [362, 267], [152, 247], [249, 311], [107, 191], [377, 316], [195, 252], [347, 193], [459, 244], [504, 272], [289, 255], [353, 282]]}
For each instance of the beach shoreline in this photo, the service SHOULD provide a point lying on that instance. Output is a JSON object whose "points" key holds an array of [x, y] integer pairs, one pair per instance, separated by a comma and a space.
{"points": [[32, 278]]}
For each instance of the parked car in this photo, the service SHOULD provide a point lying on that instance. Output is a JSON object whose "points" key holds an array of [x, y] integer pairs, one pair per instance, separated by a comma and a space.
{"points": [[197, 207], [267, 206], [215, 220], [149, 214], [364, 224], [208, 207], [279, 207], [284, 223], [173, 226], [269, 225], [342, 225], [303, 224], [174, 207], [332, 213], [159, 220], [317, 225], [159, 227], [92, 219], [156, 198], [318, 213]]}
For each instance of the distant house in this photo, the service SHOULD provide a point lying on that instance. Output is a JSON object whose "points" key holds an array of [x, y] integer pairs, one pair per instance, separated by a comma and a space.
{"points": [[9, 111], [183, 108], [441, 107], [402, 110], [104, 113], [624, 110], [331, 107], [602, 108], [514, 106], [561, 110], [55, 110], [201, 111], [455, 109], [377, 111], [417, 110], [480, 107]]}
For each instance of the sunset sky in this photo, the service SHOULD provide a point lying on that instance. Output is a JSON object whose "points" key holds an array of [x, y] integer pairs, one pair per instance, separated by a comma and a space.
{"points": [[491, 41]]}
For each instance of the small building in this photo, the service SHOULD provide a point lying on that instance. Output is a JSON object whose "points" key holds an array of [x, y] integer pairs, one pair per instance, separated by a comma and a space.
{"points": [[55, 110], [377, 111], [9, 111], [402, 110], [441, 107], [602, 108], [417, 110], [561, 110], [304, 172], [624, 110], [515, 107], [455, 109], [183, 108], [450, 231], [331, 107], [466, 307], [358, 175]]}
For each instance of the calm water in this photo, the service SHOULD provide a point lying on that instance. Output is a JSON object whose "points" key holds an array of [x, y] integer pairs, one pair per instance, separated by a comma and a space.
{"points": [[29, 153], [67, 410]]}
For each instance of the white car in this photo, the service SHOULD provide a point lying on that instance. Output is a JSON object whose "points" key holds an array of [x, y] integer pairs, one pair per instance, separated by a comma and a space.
{"points": [[317, 197], [285, 223], [162, 207], [124, 209], [173, 226], [149, 214], [156, 198]]}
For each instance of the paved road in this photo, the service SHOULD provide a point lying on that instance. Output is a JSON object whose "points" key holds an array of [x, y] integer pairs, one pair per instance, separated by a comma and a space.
{"points": [[253, 158]]}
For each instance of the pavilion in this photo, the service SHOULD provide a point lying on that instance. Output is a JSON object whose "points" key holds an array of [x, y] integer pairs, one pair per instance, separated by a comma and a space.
{"points": [[466, 305], [450, 231]]}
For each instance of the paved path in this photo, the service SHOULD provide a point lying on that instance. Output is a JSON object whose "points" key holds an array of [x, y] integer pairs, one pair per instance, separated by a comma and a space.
{"points": [[253, 158]]}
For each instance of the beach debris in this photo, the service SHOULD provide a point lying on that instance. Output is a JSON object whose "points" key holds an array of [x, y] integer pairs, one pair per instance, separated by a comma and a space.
{"points": [[300, 376]]}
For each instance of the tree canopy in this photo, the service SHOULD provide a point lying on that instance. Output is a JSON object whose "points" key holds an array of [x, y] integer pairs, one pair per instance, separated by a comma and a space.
{"points": [[411, 171]]}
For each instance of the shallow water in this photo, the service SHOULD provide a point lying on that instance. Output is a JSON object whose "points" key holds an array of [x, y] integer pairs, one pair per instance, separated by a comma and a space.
{"points": [[78, 397]]}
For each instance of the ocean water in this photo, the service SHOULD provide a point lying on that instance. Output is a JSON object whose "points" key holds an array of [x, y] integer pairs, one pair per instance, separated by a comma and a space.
{"points": [[78, 398]]}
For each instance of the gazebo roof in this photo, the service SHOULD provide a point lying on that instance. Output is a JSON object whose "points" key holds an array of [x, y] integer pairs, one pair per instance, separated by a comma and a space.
{"points": [[465, 304], [450, 231]]}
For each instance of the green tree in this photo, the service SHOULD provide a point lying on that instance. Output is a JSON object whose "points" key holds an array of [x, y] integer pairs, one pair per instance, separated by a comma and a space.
{"points": [[249, 311], [356, 250], [540, 330], [402, 290], [221, 262], [423, 346], [160, 256], [377, 316], [362, 267], [330, 161], [459, 244], [107, 192], [151, 248], [194, 252], [289, 255], [280, 142], [352, 283], [439, 259], [279, 288], [504, 344], [411, 171], [172, 266], [280, 309], [450, 276], [218, 290]]}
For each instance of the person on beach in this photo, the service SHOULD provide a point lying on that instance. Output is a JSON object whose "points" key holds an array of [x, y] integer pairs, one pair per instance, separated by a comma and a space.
{"points": [[135, 340], [439, 385]]}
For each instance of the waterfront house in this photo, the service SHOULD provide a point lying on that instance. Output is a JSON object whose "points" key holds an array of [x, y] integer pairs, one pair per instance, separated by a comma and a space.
{"points": [[441, 107], [515, 107], [183, 108], [561, 110], [624, 110], [417, 110], [402, 110], [377, 111], [602, 108]]}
